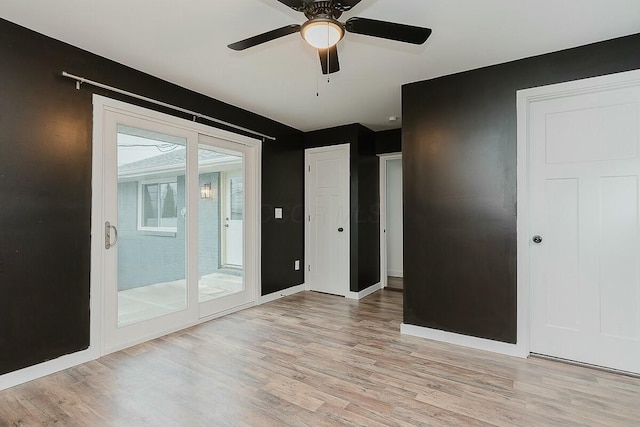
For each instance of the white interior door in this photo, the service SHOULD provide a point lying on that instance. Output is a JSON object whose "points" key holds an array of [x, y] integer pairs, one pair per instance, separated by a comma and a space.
{"points": [[328, 217], [584, 194], [234, 210]]}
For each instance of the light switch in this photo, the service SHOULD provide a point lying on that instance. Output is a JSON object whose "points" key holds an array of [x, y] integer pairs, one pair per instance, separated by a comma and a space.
{"points": [[296, 265], [278, 214]]}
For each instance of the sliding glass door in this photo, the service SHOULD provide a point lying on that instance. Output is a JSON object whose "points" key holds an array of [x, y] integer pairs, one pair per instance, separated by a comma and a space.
{"points": [[178, 219], [222, 237]]}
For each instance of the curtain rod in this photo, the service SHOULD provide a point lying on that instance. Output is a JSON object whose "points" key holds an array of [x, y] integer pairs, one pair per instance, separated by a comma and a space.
{"points": [[80, 80]]}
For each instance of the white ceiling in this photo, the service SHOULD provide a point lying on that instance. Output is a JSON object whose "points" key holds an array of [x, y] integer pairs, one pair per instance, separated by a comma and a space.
{"points": [[185, 43]]}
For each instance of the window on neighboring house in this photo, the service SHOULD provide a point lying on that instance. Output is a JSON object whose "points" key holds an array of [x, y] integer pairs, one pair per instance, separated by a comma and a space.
{"points": [[157, 206]]}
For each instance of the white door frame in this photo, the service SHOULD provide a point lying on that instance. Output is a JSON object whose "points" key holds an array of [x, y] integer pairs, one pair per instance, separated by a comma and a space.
{"points": [[307, 202], [384, 158], [252, 249], [524, 99]]}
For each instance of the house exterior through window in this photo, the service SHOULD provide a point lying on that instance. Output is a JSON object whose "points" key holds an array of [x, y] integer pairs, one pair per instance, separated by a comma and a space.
{"points": [[157, 205]]}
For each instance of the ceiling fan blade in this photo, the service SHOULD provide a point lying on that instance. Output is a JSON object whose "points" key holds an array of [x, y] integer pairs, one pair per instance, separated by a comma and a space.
{"points": [[265, 37], [293, 4], [329, 60], [388, 30]]}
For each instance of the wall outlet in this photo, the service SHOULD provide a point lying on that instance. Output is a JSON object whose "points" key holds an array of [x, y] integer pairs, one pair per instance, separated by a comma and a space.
{"points": [[296, 264]]}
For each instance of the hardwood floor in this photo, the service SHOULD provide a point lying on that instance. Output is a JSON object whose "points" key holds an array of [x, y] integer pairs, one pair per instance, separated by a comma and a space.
{"points": [[319, 360]]}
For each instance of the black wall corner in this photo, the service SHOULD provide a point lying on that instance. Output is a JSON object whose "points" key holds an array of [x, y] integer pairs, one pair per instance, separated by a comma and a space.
{"points": [[368, 210], [459, 182], [283, 187], [389, 141], [363, 266]]}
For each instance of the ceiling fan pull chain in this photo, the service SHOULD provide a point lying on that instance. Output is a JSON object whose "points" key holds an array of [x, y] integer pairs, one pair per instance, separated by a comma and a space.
{"points": [[328, 63]]}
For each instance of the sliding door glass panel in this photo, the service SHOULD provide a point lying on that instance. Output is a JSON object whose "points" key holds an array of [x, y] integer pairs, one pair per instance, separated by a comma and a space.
{"points": [[151, 272], [220, 223]]}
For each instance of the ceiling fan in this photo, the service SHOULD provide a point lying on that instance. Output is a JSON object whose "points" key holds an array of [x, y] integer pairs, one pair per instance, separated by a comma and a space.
{"points": [[323, 31]]}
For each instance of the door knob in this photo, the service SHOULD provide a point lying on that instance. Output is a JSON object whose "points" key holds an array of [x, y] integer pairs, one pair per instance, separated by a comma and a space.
{"points": [[340, 229], [537, 239]]}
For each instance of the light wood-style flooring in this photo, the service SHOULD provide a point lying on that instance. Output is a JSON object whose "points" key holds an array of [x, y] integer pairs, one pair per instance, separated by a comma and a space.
{"points": [[319, 360]]}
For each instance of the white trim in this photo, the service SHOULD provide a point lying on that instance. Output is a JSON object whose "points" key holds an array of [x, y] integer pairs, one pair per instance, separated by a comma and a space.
{"points": [[463, 340], [283, 293], [365, 292], [524, 99], [158, 117], [522, 223], [395, 273], [43, 369], [307, 229], [384, 158]]}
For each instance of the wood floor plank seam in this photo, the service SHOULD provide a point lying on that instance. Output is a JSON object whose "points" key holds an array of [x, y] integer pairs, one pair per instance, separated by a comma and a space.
{"points": [[313, 359]]}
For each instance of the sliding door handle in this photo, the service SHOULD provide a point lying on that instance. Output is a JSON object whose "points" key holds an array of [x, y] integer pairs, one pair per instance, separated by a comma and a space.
{"points": [[107, 235]]}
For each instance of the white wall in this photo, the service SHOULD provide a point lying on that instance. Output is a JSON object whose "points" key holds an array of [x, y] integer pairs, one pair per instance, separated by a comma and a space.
{"points": [[394, 218]]}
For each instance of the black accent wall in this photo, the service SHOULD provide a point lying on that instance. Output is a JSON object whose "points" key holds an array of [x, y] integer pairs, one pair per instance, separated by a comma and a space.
{"points": [[283, 187], [365, 199], [45, 189], [459, 181], [389, 141]]}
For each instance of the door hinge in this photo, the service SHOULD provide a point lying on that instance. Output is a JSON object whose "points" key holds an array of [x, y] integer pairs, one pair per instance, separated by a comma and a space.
{"points": [[309, 218], [309, 167], [308, 268]]}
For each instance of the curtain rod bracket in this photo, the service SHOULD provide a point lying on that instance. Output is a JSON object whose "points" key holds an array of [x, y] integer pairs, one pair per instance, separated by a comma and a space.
{"points": [[80, 80]]}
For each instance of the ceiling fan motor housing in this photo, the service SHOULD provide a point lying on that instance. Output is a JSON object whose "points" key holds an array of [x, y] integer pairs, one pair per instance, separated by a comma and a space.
{"points": [[328, 9]]}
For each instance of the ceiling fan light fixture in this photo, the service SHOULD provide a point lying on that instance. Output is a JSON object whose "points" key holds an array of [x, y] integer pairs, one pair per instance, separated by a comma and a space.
{"points": [[322, 33]]}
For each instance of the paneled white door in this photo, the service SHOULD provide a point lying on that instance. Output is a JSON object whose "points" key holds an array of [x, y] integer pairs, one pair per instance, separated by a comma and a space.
{"points": [[328, 218], [584, 227]]}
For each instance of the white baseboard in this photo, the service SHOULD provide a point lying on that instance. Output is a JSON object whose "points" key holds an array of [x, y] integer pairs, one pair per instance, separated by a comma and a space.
{"points": [[464, 340], [283, 293], [395, 273], [49, 367], [40, 370], [363, 293]]}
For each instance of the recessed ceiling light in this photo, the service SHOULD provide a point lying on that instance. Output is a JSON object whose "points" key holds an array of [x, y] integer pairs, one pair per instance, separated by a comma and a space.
{"points": [[393, 118]]}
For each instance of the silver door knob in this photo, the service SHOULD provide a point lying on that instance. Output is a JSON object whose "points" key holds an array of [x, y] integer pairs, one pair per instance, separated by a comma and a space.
{"points": [[537, 239]]}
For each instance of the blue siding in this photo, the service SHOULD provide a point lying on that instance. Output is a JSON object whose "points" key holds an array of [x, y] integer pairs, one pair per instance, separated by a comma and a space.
{"points": [[146, 257]]}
